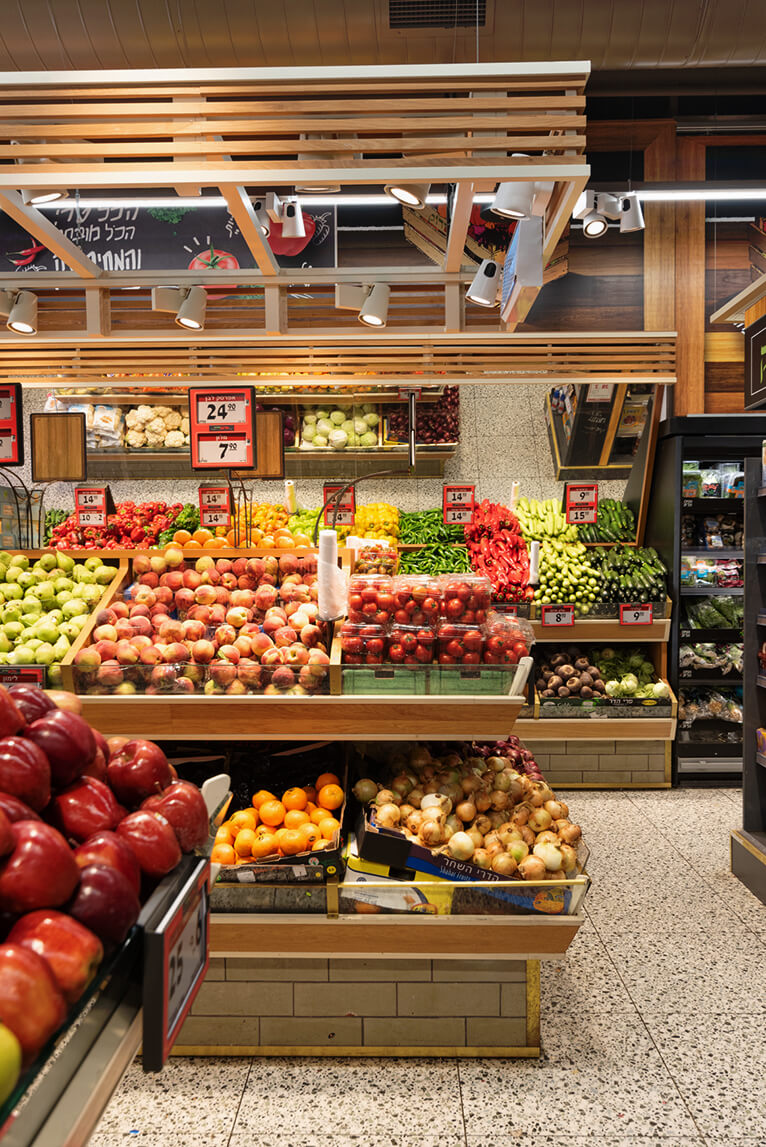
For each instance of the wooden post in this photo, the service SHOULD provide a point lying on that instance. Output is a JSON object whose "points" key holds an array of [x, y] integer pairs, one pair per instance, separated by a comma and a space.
{"points": [[660, 235], [689, 394]]}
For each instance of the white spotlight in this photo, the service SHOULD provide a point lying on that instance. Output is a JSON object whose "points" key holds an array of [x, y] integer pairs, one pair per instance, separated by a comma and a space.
{"points": [[292, 220], [514, 200], [191, 313], [261, 217], [483, 289], [374, 310], [594, 225], [410, 194], [21, 310], [631, 215], [37, 198]]}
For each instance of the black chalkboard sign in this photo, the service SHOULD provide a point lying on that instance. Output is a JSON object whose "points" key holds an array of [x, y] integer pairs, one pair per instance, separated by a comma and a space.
{"points": [[164, 239], [755, 365]]}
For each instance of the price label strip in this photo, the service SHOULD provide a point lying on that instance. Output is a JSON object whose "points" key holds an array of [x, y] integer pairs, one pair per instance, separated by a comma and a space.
{"points": [[214, 506], [23, 675], [92, 505], [558, 615], [636, 614], [458, 504], [346, 507], [581, 503], [11, 425], [222, 425], [176, 957]]}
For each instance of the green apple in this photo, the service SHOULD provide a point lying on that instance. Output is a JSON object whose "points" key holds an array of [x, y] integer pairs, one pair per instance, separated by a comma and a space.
{"points": [[74, 608], [48, 561], [63, 597], [10, 1062], [64, 562], [62, 583], [45, 654], [13, 630], [20, 560]]}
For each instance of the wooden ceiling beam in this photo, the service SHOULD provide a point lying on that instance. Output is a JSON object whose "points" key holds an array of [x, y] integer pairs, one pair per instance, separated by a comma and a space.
{"points": [[241, 210], [46, 232]]}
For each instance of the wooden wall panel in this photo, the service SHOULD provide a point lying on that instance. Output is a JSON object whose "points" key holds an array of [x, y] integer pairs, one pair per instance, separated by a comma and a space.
{"points": [[689, 394]]}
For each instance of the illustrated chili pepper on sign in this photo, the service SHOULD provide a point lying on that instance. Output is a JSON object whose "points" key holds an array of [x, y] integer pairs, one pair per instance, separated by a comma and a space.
{"points": [[27, 256]]}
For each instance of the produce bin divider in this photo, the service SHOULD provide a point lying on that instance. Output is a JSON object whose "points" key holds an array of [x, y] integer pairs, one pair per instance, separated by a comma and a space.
{"points": [[85, 634]]}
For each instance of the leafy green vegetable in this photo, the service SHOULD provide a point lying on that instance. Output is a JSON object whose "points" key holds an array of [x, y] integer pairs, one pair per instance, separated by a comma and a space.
{"points": [[188, 519], [168, 214]]}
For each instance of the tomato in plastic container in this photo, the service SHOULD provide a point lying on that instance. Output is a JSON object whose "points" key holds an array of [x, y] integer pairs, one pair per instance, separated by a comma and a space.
{"points": [[411, 645], [363, 644], [459, 644], [465, 598], [416, 600], [370, 599]]}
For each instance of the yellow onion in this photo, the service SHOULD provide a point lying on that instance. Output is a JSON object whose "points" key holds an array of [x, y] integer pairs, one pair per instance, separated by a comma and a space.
{"points": [[518, 850], [431, 787], [476, 836], [482, 800], [405, 810], [540, 820], [432, 833], [568, 858], [527, 835], [461, 846], [504, 864], [550, 854], [497, 764], [481, 858], [571, 834], [437, 800], [520, 815], [365, 790], [483, 825], [387, 815], [401, 785], [470, 784], [516, 788], [502, 782], [554, 808], [497, 817], [415, 796], [507, 835], [419, 757], [547, 836], [433, 813], [466, 810], [414, 821], [564, 808], [532, 868], [452, 791], [387, 796], [500, 800]]}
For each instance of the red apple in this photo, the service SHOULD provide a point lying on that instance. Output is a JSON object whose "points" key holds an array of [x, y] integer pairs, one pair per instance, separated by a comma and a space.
{"points": [[7, 841], [15, 809], [86, 807], [153, 840], [106, 902], [30, 1003], [67, 742], [25, 772], [108, 848], [97, 767], [183, 806], [12, 719], [72, 952], [137, 771], [32, 701], [41, 872]]}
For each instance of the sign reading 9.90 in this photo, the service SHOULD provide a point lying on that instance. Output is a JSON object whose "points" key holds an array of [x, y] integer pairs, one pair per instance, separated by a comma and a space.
{"points": [[222, 424]]}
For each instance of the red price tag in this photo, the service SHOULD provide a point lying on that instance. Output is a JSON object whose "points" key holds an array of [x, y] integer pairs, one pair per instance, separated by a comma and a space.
{"points": [[214, 506], [581, 503], [222, 423], [11, 425], [458, 505], [582, 515], [346, 507], [212, 518], [636, 615], [558, 615], [23, 675], [90, 504]]}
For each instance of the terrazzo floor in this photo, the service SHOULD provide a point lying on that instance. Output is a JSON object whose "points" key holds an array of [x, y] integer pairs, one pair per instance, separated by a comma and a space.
{"points": [[654, 1027]]}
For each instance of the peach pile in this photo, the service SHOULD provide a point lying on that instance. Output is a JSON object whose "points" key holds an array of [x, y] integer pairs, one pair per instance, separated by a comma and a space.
{"points": [[241, 626]]}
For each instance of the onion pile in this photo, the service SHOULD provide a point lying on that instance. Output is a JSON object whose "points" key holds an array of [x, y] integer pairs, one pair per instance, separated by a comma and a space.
{"points": [[434, 421], [481, 809]]}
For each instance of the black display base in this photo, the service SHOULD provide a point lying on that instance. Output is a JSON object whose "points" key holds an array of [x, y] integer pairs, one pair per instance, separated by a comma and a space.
{"points": [[748, 860]]}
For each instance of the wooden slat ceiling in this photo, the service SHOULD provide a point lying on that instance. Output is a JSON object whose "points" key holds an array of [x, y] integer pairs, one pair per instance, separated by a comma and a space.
{"points": [[613, 34], [645, 356]]}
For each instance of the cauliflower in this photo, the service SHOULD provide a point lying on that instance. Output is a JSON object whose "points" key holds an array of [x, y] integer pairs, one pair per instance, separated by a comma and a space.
{"points": [[174, 438], [184, 427], [135, 438], [155, 437], [162, 412], [144, 414], [172, 420], [132, 420], [156, 426]]}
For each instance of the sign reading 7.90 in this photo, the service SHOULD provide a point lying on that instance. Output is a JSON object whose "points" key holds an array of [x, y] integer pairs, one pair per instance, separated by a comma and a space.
{"points": [[222, 424]]}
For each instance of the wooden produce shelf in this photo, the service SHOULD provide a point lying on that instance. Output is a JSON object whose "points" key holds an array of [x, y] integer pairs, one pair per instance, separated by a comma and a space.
{"points": [[291, 395], [599, 629], [596, 729], [260, 718], [385, 937]]}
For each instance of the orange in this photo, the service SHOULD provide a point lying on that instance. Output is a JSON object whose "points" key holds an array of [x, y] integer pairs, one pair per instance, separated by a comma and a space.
{"points": [[201, 535], [292, 842], [311, 793], [264, 845], [330, 796], [301, 540], [318, 815], [272, 812], [224, 835], [223, 854], [261, 796], [296, 817], [311, 807], [247, 818], [267, 543], [192, 545], [294, 799], [278, 837], [328, 828], [211, 544], [326, 779], [310, 834], [244, 841], [181, 537], [318, 845], [231, 539]]}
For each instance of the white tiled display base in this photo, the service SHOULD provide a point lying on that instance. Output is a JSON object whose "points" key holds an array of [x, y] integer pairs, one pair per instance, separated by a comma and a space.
{"points": [[603, 764], [251, 1006]]}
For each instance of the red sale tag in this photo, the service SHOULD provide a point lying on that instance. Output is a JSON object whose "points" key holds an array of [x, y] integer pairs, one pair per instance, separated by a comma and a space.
{"points": [[91, 505], [346, 508], [636, 615], [582, 515], [581, 503], [214, 506], [458, 504], [562, 615], [222, 425]]}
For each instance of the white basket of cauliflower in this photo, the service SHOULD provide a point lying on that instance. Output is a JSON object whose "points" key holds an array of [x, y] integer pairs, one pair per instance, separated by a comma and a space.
{"points": [[340, 428], [156, 428]]}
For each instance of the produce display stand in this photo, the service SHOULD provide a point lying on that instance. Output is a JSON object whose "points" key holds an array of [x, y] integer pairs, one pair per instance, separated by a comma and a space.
{"points": [[60, 1099], [748, 844]]}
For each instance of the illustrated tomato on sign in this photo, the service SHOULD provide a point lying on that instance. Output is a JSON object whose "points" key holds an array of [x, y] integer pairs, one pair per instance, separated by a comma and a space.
{"points": [[214, 260]]}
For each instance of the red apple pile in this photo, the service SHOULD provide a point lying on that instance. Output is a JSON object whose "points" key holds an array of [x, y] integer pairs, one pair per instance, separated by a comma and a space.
{"points": [[85, 826], [242, 626]]}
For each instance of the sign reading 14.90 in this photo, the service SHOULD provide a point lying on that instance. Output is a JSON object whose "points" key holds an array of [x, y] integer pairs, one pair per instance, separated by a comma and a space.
{"points": [[458, 505], [222, 423]]}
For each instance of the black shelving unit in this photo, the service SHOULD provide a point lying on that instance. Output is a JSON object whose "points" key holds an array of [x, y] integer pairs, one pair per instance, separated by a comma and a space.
{"points": [[710, 749], [748, 844]]}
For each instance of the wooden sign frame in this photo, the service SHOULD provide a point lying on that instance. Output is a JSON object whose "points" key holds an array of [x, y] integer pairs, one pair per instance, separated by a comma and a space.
{"points": [[46, 432]]}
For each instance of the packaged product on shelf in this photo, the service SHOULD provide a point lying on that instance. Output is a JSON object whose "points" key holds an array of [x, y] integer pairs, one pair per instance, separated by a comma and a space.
{"points": [[706, 655], [705, 704], [760, 737], [715, 612], [459, 644], [376, 559], [691, 480], [364, 644], [508, 639], [411, 644], [729, 573], [711, 484], [417, 600], [465, 599], [371, 599]]}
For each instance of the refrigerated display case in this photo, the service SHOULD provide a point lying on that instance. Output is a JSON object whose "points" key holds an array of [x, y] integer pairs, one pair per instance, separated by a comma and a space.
{"points": [[696, 521]]}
